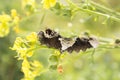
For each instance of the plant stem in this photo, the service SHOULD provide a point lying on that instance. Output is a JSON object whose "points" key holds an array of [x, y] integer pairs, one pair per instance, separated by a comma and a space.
{"points": [[107, 15], [100, 14], [104, 9]]}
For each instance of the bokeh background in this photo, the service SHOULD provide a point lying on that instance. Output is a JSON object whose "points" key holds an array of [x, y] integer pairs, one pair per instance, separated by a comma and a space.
{"points": [[79, 66]]}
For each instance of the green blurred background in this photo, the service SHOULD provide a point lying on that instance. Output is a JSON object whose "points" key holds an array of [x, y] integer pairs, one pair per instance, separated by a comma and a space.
{"points": [[106, 64]]}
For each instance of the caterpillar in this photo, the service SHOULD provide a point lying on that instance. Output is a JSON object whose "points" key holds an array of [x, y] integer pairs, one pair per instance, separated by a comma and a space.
{"points": [[52, 39]]}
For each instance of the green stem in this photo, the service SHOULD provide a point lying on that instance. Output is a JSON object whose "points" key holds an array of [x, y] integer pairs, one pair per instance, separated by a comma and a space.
{"points": [[37, 47], [107, 15], [100, 14], [104, 9]]}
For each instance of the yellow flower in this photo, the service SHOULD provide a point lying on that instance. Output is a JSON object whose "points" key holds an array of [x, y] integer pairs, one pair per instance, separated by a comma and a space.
{"points": [[15, 20], [32, 37], [31, 69], [16, 28], [20, 48], [17, 44], [26, 68], [36, 64], [36, 68], [13, 13], [48, 3], [4, 24], [29, 52], [5, 18], [57, 52], [25, 47], [4, 29]]}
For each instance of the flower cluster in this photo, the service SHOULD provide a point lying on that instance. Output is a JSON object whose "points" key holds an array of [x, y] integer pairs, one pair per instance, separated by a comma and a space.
{"points": [[6, 21], [25, 48], [31, 69], [16, 20], [4, 24]]}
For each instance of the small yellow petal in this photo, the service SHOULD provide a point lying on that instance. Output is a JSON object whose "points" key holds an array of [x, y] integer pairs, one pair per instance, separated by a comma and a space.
{"points": [[17, 43], [26, 67], [32, 37], [52, 3], [13, 13], [16, 20], [48, 3], [5, 18], [29, 54], [4, 29]]}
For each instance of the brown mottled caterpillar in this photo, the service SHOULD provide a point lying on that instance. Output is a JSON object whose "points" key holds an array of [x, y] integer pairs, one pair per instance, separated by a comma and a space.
{"points": [[52, 39]]}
